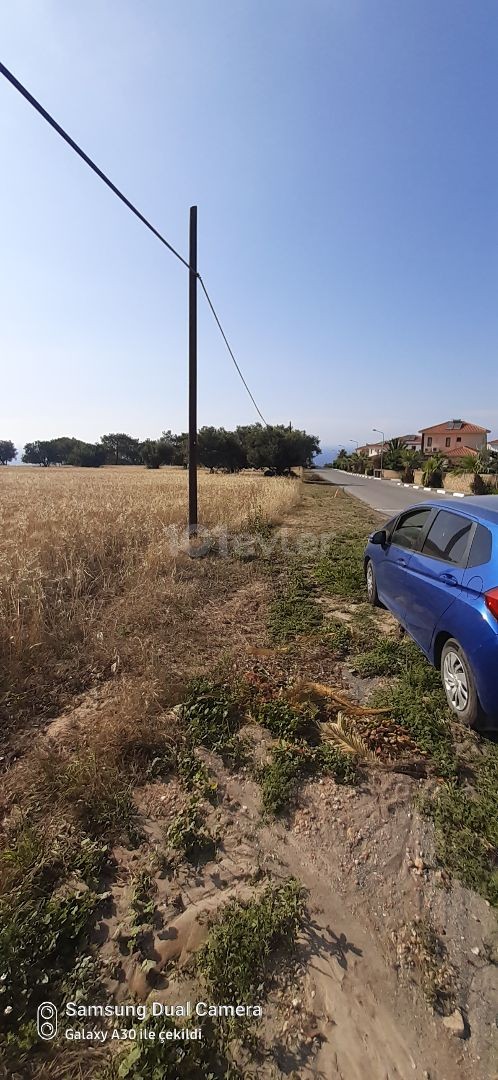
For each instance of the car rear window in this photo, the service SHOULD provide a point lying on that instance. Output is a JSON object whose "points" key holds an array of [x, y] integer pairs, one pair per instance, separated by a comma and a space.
{"points": [[409, 528], [448, 537], [480, 550]]}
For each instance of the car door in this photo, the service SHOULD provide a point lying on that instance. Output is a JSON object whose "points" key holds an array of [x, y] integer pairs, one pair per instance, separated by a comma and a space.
{"points": [[394, 560], [436, 574]]}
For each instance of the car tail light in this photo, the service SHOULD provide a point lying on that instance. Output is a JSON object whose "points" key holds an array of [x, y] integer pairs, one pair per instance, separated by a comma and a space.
{"points": [[491, 599]]}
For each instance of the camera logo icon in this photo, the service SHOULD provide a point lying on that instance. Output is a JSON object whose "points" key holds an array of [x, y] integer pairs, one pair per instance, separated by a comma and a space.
{"points": [[46, 1020]]}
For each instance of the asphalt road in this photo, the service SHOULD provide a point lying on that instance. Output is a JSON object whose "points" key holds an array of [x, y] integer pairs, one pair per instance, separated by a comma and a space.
{"points": [[383, 495]]}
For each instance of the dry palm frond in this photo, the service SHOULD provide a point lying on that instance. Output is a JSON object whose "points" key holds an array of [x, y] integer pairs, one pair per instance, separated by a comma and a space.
{"points": [[302, 690], [343, 735]]}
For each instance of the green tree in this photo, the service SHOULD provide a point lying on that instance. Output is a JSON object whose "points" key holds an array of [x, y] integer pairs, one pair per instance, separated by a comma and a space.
{"points": [[8, 451], [150, 453], [62, 448], [412, 459], [434, 470], [394, 454], [358, 461], [179, 447], [277, 447], [121, 449], [157, 452], [88, 455], [40, 452], [342, 460], [220, 449]]}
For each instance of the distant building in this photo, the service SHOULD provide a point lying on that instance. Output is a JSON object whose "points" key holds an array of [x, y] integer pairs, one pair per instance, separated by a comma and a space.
{"points": [[493, 446], [372, 449], [412, 442], [454, 439]]}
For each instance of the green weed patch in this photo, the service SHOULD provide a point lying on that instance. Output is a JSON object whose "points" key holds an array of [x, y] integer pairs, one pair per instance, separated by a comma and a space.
{"points": [[166, 1059], [417, 702], [187, 834], [291, 763], [212, 714], [389, 656], [47, 902], [241, 946], [340, 569], [295, 611], [465, 816]]}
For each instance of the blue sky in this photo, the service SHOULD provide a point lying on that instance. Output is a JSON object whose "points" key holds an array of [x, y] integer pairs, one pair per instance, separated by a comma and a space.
{"points": [[344, 159]]}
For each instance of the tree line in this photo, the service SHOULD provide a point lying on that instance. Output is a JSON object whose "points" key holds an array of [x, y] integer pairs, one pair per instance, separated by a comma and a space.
{"points": [[276, 448]]}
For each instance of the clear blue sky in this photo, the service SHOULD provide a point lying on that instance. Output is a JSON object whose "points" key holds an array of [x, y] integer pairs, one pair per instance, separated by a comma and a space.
{"points": [[344, 158]]}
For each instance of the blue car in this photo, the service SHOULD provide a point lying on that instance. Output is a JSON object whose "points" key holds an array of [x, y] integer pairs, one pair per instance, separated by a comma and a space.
{"points": [[435, 567]]}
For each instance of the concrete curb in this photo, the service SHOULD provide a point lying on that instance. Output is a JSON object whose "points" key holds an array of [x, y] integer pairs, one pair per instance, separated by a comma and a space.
{"points": [[436, 491]]}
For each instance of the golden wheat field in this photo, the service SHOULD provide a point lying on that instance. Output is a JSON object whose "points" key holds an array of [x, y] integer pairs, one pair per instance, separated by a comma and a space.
{"points": [[80, 548]]}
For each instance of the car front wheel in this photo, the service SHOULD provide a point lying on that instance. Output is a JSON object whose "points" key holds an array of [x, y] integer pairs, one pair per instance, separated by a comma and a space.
{"points": [[459, 685], [372, 594]]}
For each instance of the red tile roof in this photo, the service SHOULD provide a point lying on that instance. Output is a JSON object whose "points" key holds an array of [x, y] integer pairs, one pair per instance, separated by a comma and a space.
{"points": [[460, 451], [451, 425]]}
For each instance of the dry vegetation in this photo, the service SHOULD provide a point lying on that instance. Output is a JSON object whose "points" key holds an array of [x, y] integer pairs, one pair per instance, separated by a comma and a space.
{"points": [[88, 562], [141, 850]]}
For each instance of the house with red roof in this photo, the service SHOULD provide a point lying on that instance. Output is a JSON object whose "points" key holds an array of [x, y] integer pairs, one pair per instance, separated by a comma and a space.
{"points": [[454, 438]]}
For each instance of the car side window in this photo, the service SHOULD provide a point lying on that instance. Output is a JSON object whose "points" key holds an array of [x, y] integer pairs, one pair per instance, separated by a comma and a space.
{"points": [[410, 526], [480, 549], [448, 538]]}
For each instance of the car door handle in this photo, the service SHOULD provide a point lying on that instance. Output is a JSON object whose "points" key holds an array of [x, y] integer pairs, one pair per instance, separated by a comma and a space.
{"points": [[448, 579], [401, 562]]}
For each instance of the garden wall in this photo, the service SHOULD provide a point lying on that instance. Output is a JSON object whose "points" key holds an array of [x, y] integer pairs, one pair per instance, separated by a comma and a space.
{"points": [[463, 482]]}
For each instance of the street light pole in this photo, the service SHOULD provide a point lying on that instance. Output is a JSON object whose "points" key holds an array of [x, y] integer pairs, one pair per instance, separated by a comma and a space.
{"points": [[356, 442], [379, 432]]}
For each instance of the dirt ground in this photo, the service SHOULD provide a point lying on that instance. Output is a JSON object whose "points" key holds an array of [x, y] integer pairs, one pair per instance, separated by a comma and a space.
{"points": [[351, 1006]]}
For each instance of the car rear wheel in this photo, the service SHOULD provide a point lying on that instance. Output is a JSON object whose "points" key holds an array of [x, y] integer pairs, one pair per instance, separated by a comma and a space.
{"points": [[372, 594], [459, 685]]}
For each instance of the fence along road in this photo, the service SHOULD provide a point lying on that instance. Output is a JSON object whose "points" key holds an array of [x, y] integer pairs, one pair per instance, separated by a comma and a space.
{"points": [[386, 496]]}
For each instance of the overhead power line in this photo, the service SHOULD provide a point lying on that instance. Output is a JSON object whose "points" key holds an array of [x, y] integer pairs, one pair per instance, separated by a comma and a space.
{"points": [[102, 176], [222, 332], [88, 161]]}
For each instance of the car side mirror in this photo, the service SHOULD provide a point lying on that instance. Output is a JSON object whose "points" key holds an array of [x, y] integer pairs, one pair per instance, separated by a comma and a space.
{"points": [[379, 537]]}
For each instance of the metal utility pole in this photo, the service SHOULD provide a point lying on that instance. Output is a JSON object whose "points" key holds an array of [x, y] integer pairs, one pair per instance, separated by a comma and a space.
{"points": [[192, 375], [379, 432]]}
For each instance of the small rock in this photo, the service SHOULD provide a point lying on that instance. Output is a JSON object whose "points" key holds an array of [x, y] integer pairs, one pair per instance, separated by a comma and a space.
{"points": [[455, 1024], [475, 950]]}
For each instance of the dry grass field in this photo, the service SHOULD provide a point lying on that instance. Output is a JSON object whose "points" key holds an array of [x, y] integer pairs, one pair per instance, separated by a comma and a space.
{"points": [[87, 562]]}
